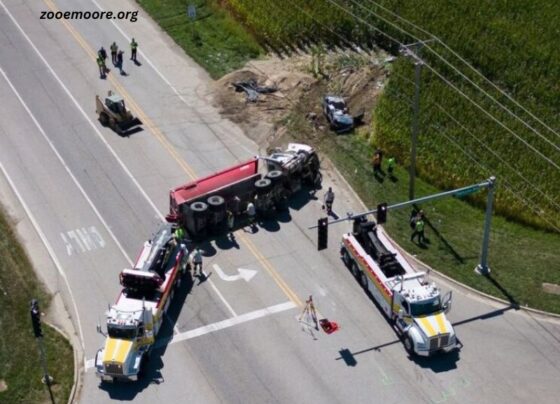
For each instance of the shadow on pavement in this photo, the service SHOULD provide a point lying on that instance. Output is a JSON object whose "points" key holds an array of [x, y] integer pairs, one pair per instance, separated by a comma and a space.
{"points": [[486, 316], [151, 372]]}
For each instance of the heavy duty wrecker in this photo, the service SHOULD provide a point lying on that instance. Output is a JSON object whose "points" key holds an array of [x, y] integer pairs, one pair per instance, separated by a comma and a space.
{"points": [[201, 205], [413, 305], [134, 321]]}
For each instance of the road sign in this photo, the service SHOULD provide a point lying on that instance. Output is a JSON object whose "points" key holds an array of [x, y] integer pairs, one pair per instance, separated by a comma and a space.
{"points": [[191, 11]]}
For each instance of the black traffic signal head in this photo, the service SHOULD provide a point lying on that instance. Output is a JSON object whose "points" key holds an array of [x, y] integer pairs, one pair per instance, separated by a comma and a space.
{"points": [[36, 319], [323, 235], [381, 213]]}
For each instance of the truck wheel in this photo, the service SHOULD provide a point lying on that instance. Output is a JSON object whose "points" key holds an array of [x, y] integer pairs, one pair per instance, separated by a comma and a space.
{"points": [[274, 176], [346, 258], [409, 345], [216, 202], [363, 280], [355, 270], [263, 185], [198, 208], [104, 119]]}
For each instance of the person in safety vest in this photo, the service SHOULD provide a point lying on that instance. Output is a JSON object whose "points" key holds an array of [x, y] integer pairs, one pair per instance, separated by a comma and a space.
{"points": [[418, 231]]}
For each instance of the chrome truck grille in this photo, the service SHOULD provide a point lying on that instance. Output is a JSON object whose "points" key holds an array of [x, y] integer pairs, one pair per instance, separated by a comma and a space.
{"points": [[439, 342], [113, 369]]}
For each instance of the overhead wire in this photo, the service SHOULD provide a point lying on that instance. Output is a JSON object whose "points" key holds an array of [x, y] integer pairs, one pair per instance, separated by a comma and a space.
{"points": [[450, 84], [444, 60], [464, 61]]}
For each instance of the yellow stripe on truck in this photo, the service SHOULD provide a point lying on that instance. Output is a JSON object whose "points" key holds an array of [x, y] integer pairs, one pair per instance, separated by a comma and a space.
{"points": [[116, 350], [440, 319], [427, 326]]}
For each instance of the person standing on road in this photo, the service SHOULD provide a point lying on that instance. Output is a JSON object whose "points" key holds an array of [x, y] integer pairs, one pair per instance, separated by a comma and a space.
{"points": [[120, 60], [196, 259], [329, 200], [133, 49], [101, 65], [230, 218], [114, 49], [251, 213], [102, 53]]}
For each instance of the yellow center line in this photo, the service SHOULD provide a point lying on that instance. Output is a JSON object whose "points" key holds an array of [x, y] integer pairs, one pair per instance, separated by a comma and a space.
{"points": [[169, 147]]}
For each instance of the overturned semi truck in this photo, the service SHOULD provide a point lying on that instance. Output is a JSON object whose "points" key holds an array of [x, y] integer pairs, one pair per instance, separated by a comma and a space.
{"points": [[200, 206]]}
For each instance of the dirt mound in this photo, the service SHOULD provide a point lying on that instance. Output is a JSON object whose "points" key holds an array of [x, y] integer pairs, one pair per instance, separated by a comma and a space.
{"points": [[358, 78]]}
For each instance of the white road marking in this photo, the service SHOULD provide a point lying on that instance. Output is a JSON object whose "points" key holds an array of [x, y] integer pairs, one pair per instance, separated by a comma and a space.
{"points": [[49, 250], [220, 325], [55, 151], [160, 74], [246, 274], [219, 294], [121, 163], [68, 244], [230, 322], [126, 170], [85, 238], [89, 364]]}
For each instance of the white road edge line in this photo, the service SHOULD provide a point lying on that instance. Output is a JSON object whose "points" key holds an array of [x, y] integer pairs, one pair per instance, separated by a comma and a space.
{"points": [[160, 74], [121, 163], [220, 325], [83, 192], [126, 170], [49, 249]]}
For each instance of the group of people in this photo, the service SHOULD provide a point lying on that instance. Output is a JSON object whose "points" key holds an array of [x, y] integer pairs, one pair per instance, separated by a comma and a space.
{"points": [[377, 163], [116, 57]]}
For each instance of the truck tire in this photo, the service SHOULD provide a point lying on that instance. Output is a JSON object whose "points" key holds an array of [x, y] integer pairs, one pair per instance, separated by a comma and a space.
{"points": [[363, 280], [274, 176], [216, 203], [409, 345], [199, 208], [263, 186], [355, 270], [346, 258], [104, 119]]}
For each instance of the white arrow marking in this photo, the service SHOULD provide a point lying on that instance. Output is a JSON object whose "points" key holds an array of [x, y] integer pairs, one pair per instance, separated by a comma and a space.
{"points": [[246, 274]]}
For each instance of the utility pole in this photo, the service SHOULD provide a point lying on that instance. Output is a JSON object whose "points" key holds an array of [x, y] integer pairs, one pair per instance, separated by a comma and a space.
{"points": [[412, 51]]}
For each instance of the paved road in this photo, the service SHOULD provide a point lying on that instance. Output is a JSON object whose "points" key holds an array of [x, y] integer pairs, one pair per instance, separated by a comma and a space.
{"points": [[95, 197]]}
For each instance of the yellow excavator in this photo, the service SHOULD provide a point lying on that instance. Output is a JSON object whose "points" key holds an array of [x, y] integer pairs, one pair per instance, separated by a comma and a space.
{"points": [[113, 113]]}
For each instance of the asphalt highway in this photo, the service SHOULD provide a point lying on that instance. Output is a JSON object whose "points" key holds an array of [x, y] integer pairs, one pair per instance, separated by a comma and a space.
{"points": [[85, 199]]}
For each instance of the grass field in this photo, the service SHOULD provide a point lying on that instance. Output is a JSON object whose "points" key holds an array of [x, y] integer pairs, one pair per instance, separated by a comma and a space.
{"points": [[20, 367], [214, 39]]}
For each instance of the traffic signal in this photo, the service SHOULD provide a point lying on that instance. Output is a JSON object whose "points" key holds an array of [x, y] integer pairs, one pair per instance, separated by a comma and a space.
{"points": [[381, 213], [323, 235], [36, 319]]}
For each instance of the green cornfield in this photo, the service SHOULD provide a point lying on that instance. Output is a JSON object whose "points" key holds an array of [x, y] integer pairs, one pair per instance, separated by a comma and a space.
{"points": [[463, 138]]}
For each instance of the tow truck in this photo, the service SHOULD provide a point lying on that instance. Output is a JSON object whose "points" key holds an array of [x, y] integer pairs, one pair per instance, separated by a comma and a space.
{"points": [[200, 206], [413, 305], [134, 321]]}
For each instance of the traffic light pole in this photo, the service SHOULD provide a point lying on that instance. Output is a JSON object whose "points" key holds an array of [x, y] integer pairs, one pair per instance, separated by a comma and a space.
{"points": [[46, 377], [38, 332], [482, 268]]}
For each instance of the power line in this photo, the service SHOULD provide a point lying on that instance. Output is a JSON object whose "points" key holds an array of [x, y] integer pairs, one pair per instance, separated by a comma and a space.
{"points": [[464, 61], [445, 80], [463, 75]]}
